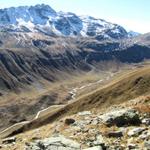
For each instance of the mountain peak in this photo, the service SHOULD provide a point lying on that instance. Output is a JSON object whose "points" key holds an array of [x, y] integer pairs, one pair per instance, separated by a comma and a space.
{"points": [[36, 14], [43, 18], [44, 7]]}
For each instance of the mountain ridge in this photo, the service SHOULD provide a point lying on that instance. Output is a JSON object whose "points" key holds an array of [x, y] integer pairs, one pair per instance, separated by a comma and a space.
{"points": [[42, 18]]}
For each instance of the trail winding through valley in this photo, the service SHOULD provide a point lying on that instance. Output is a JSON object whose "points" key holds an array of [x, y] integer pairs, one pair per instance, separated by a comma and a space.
{"points": [[8, 131]]}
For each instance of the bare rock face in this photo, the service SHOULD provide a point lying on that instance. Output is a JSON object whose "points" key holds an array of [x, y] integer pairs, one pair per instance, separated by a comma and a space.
{"points": [[54, 143], [136, 131]]}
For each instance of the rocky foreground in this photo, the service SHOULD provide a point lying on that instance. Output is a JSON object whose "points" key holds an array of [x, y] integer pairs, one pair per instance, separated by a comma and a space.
{"points": [[120, 127]]}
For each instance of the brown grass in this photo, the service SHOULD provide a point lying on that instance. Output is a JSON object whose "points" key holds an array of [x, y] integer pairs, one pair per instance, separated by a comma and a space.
{"points": [[143, 108], [120, 90]]}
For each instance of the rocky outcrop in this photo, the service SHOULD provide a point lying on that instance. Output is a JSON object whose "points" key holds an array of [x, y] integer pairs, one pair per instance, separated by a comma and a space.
{"points": [[121, 118], [54, 143], [136, 131], [98, 136]]}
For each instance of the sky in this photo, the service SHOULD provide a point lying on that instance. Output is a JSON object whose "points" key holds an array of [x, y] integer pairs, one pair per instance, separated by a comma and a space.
{"points": [[131, 14]]}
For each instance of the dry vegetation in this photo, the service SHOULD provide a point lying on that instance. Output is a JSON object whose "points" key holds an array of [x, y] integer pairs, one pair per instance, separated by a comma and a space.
{"points": [[121, 89]]}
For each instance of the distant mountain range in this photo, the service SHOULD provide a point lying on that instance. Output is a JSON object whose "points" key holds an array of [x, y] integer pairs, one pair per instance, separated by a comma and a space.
{"points": [[42, 18]]}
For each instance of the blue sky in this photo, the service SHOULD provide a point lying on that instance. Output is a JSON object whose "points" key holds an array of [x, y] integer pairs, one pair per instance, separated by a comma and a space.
{"points": [[132, 14]]}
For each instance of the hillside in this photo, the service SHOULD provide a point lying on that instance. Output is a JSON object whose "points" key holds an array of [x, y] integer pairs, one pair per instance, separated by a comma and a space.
{"points": [[26, 58], [55, 64], [121, 89], [124, 93], [35, 67]]}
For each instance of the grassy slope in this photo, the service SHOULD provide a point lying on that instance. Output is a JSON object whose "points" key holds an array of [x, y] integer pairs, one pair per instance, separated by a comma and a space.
{"points": [[122, 89]]}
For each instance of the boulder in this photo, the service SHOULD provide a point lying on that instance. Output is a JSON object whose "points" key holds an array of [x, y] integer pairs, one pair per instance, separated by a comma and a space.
{"points": [[84, 113], [146, 121], [94, 148], [147, 145], [136, 131], [69, 121], [145, 135], [99, 142], [121, 117], [54, 143], [114, 134], [133, 146], [9, 140]]}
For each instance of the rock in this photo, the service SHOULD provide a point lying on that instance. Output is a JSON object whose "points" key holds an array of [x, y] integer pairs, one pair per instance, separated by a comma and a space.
{"points": [[9, 140], [116, 147], [146, 121], [94, 148], [93, 131], [36, 138], [114, 134], [85, 130], [136, 131], [132, 146], [95, 122], [99, 141], [147, 145], [121, 117], [84, 113], [69, 121], [82, 124], [145, 135], [54, 143]]}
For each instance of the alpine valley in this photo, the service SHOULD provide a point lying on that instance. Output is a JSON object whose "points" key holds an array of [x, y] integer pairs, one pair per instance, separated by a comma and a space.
{"points": [[61, 74]]}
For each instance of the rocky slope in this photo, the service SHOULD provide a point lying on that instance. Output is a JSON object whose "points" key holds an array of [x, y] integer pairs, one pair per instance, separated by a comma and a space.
{"points": [[117, 113], [119, 127], [123, 126]]}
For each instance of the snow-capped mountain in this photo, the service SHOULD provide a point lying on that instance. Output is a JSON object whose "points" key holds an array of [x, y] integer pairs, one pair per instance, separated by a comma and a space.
{"points": [[133, 34], [42, 18]]}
